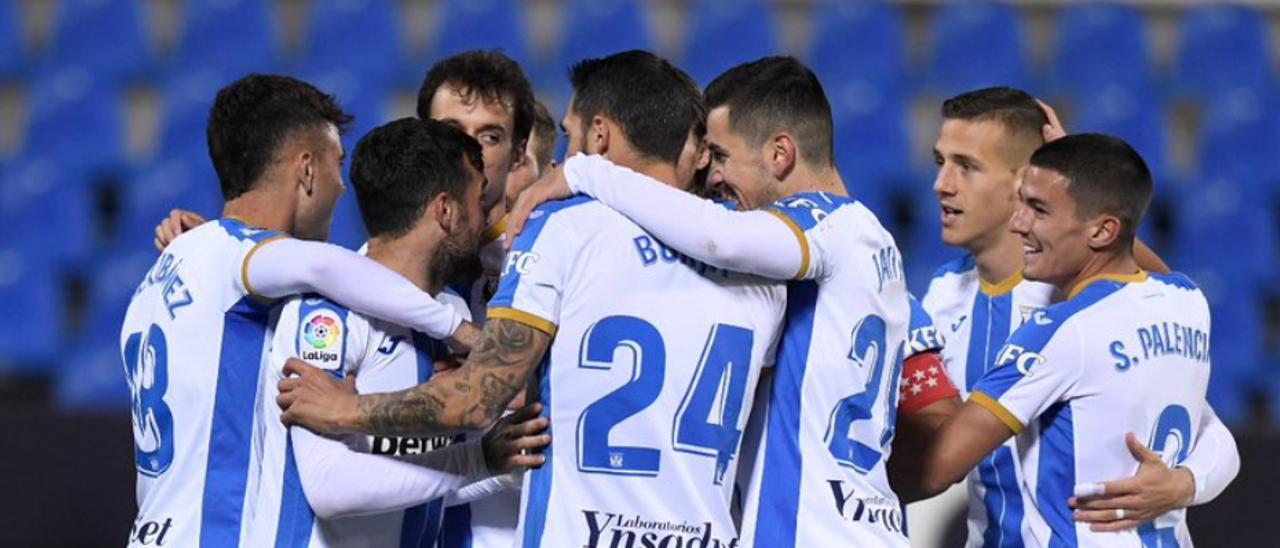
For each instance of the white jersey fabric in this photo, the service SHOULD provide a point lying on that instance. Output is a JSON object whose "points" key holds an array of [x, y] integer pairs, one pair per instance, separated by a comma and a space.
{"points": [[648, 382], [311, 491], [817, 476], [1122, 354], [975, 319], [193, 342]]}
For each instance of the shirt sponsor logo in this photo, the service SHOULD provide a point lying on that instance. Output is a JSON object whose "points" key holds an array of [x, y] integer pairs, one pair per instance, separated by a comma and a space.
{"points": [[609, 530], [151, 533], [389, 445], [873, 510]]}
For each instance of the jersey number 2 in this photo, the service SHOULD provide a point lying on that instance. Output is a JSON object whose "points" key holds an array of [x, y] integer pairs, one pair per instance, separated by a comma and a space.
{"points": [[146, 366], [706, 422], [869, 351]]}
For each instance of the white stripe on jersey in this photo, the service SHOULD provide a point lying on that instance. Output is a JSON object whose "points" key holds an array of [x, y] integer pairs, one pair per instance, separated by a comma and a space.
{"points": [[193, 343], [976, 319], [1127, 354], [818, 476], [648, 381]]}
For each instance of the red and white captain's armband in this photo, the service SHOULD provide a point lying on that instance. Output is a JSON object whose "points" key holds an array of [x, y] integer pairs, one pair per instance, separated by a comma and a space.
{"points": [[924, 381]]}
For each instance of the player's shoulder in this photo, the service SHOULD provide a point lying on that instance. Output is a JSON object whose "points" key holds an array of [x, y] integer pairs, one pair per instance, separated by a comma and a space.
{"points": [[1175, 280], [557, 216], [1043, 325], [323, 331], [960, 266], [807, 209], [950, 283]]}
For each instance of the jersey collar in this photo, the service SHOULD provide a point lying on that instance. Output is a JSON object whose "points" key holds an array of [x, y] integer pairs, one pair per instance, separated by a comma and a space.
{"points": [[1139, 276], [494, 231], [1002, 287]]}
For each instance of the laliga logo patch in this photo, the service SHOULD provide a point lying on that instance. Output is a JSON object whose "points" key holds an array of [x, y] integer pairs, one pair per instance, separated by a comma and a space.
{"points": [[322, 334]]}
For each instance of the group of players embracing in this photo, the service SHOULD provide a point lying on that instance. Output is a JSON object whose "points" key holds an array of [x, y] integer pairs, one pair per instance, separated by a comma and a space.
{"points": [[689, 335]]}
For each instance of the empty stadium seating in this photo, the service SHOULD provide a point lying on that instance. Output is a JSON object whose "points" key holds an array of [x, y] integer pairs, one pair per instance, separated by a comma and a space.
{"points": [[78, 208]]}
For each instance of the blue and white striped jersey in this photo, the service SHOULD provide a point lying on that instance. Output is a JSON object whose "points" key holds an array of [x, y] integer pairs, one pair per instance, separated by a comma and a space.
{"points": [[648, 382], [193, 342], [384, 358], [976, 318], [1122, 354], [818, 476]]}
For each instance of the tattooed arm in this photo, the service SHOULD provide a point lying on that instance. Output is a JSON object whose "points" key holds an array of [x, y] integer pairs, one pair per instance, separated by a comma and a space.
{"points": [[470, 397]]}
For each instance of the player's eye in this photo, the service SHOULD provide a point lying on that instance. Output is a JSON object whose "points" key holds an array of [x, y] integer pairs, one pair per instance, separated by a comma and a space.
{"points": [[490, 138]]}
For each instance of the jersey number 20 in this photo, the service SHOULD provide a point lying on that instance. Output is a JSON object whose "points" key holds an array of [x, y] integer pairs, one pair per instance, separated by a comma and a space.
{"points": [[146, 366], [706, 422]]}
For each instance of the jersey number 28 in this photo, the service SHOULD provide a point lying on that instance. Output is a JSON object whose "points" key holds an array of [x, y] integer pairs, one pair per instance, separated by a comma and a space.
{"points": [[146, 366]]}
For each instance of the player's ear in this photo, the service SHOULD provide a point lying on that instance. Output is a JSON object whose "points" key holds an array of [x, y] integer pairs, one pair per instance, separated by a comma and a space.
{"points": [[518, 156], [1104, 230], [444, 211], [598, 136], [306, 171], [781, 154]]}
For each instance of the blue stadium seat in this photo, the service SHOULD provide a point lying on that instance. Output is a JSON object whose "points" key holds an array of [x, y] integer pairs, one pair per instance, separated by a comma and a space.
{"points": [[871, 143], [976, 45], [1239, 137], [1137, 118], [72, 100], [47, 209], [110, 36], [234, 35], [358, 35], [1101, 44], [1222, 227], [165, 184], [30, 294], [11, 54], [1235, 341], [1222, 47], [724, 33], [186, 97], [858, 41], [595, 28], [479, 24], [361, 97]]}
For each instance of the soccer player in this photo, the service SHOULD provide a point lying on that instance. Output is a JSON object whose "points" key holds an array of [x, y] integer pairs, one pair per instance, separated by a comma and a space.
{"points": [[818, 477], [652, 358], [196, 333], [983, 148], [1127, 351], [419, 186], [537, 154]]}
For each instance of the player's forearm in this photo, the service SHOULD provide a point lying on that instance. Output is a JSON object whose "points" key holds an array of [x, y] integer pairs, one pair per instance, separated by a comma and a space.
{"points": [[339, 482], [969, 435], [291, 267], [914, 433], [1214, 461], [753, 242], [469, 398]]}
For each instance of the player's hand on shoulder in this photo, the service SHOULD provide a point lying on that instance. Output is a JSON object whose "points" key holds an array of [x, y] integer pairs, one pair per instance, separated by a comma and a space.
{"points": [[178, 221], [313, 398], [1130, 502], [512, 442], [552, 186]]}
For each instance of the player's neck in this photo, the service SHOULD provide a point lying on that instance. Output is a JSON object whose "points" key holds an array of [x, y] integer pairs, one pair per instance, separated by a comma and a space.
{"points": [[496, 213], [998, 258], [407, 258], [807, 179], [1100, 265], [262, 209], [661, 171]]}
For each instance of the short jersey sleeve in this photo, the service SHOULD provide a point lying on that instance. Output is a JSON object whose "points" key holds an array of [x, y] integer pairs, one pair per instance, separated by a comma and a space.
{"points": [[802, 213], [1039, 366], [532, 282]]}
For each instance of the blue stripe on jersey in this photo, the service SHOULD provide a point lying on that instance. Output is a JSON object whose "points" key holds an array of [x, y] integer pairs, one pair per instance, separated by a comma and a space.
{"points": [[421, 523], [988, 330], [1057, 475], [296, 517], [240, 231], [510, 277], [1002, 501], [780, 495], [244, 333], [802, 207], [534, 514], [922, 336], [956, 266], [456, 532]]}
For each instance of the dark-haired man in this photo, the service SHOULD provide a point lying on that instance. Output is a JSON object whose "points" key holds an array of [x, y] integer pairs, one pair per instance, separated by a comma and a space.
{"points": [[195, 335], [419, 186], [647, 395], [1127, 351], [982, 151], [818, 475]]}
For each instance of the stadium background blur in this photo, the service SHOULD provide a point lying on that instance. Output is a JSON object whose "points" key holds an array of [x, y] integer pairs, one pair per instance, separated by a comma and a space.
{"points": [[103, 105]]}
